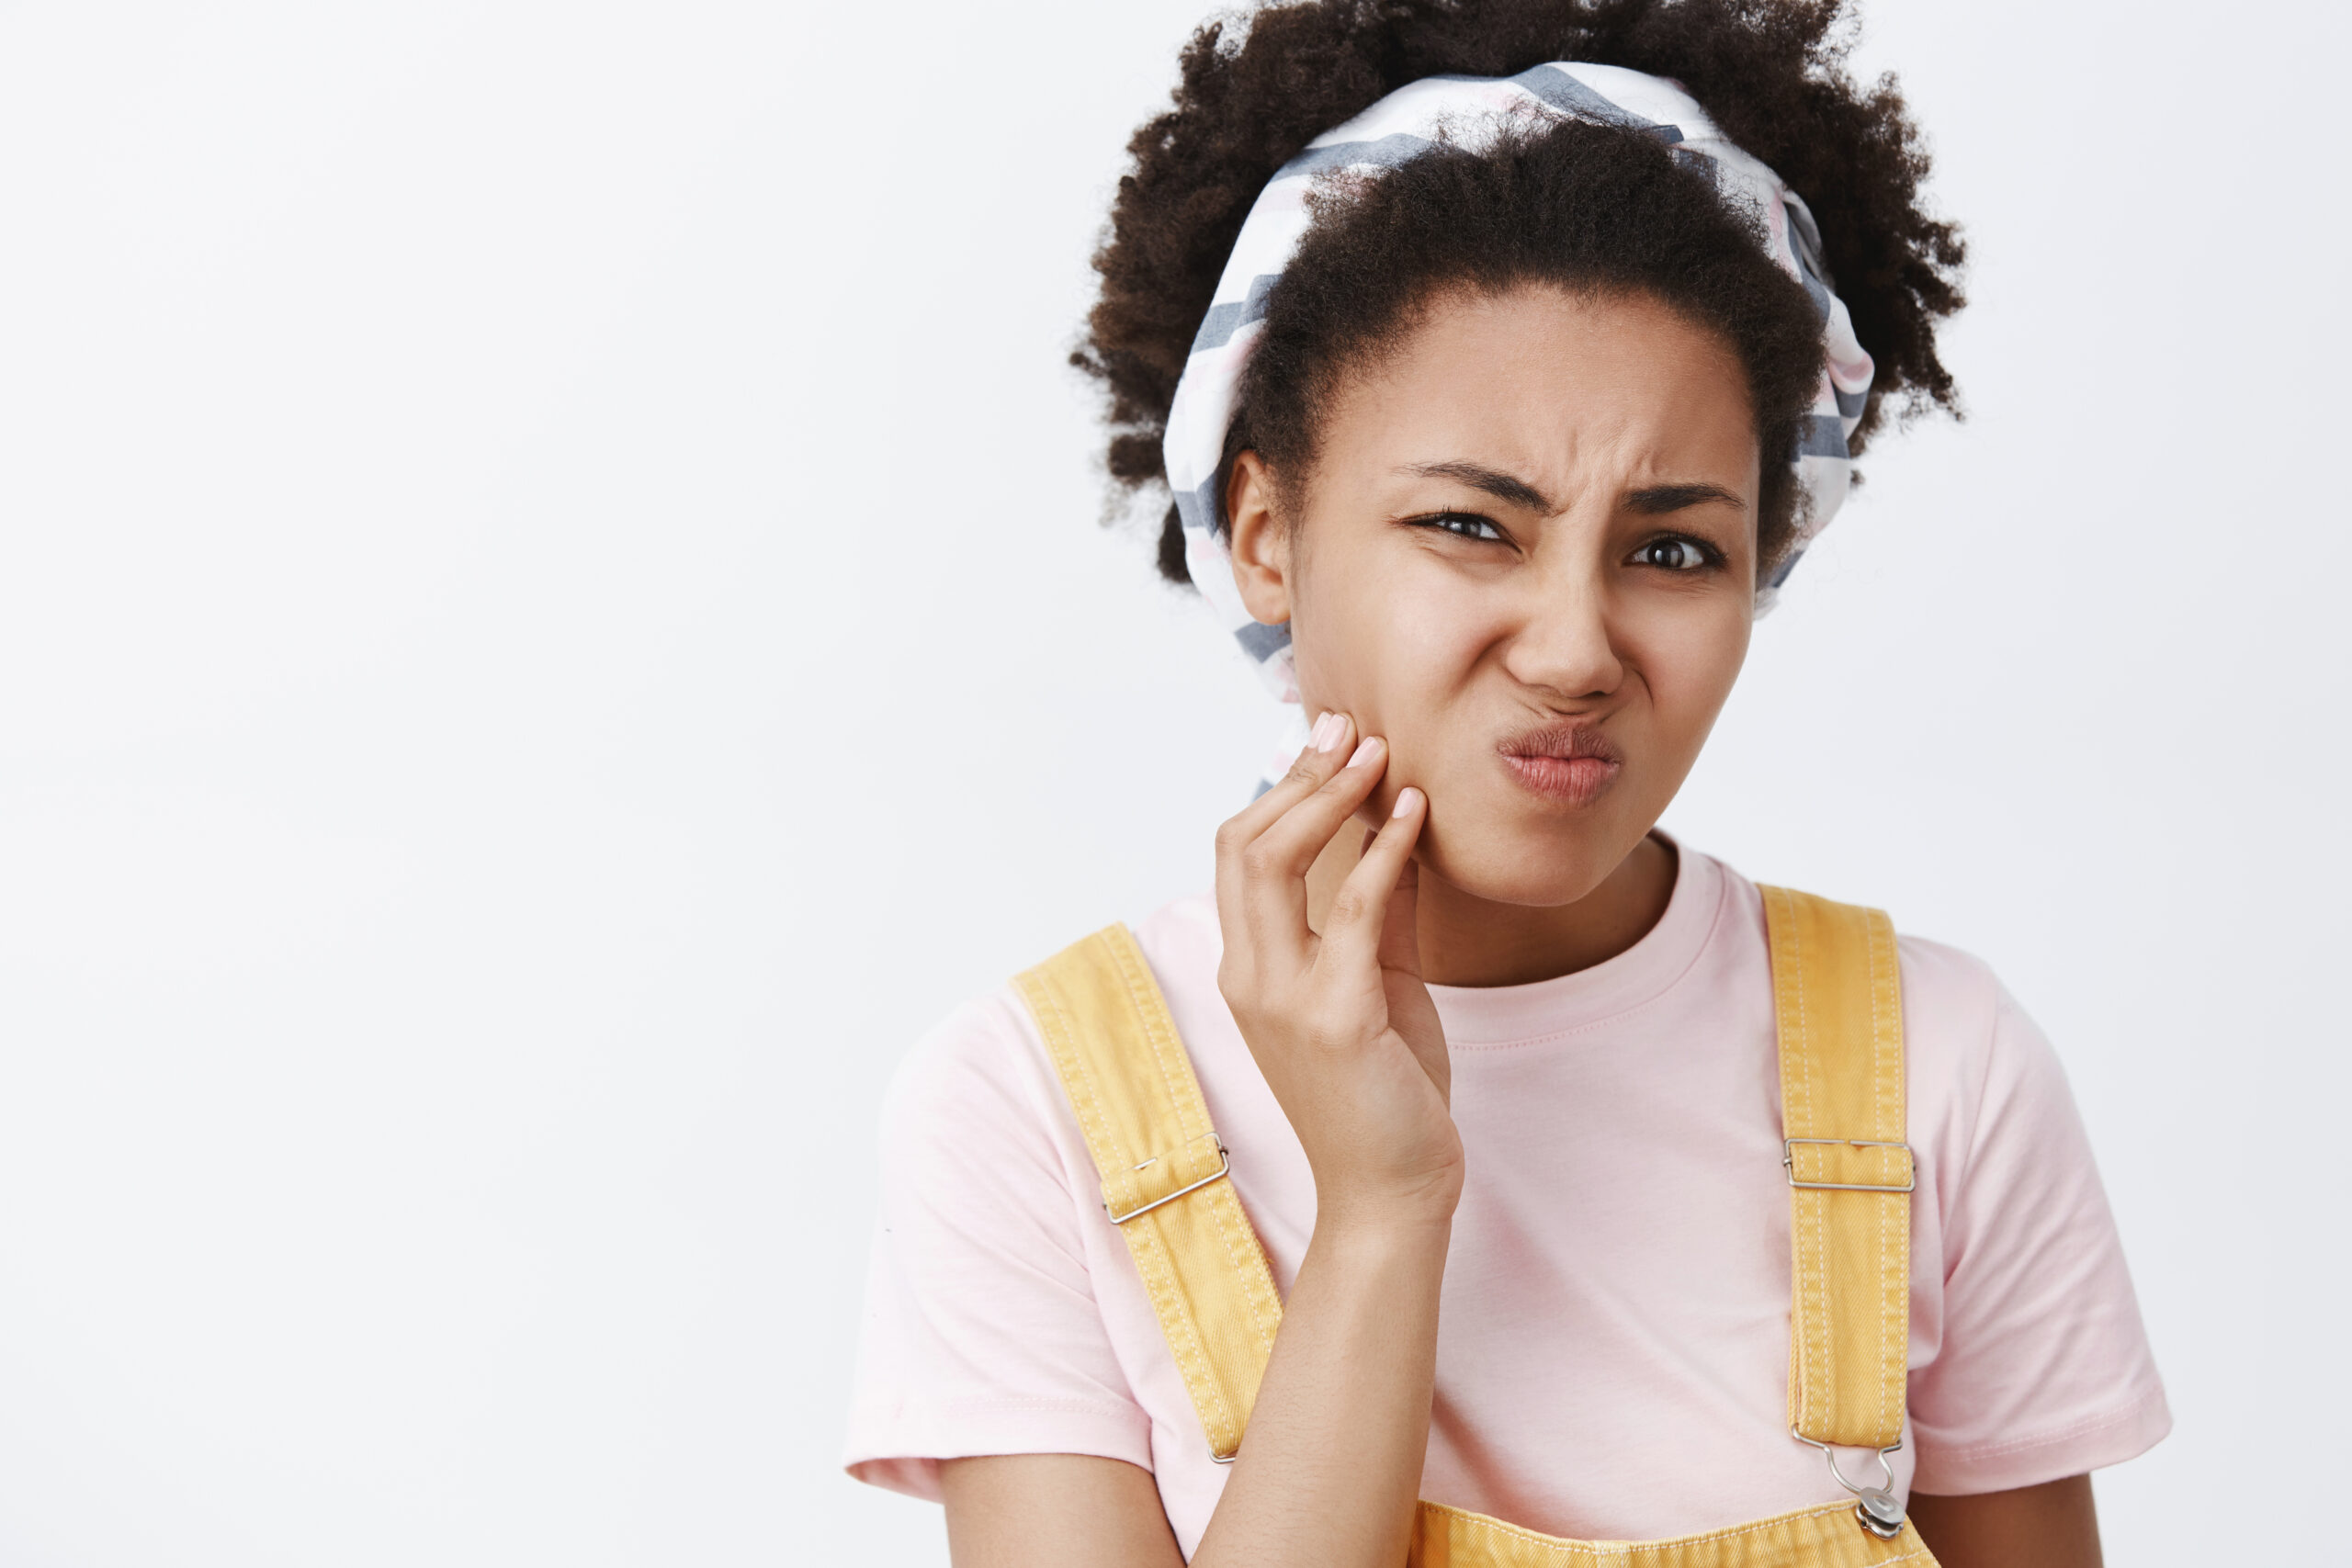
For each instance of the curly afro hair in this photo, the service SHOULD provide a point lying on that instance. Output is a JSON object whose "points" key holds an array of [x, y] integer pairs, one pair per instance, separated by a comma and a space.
{"points": [[1771, 75]]}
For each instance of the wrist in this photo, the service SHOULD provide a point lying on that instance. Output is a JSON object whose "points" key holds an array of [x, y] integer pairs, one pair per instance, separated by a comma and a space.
{"points": [[1402, 1208], [1371, 1231]]}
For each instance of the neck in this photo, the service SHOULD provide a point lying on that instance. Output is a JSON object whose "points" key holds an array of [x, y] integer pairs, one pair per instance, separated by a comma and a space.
{"points": [[1467, 940]]}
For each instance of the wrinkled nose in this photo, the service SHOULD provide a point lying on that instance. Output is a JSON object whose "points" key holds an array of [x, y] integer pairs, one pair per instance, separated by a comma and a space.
{"points": [[1561, 646]]}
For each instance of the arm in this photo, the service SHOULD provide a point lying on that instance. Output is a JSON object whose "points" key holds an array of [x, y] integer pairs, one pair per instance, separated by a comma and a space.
{"points": [[1329, 1471], [1330, 1468], [1054, 1511], [1345, 1032], [2054, 1525]]}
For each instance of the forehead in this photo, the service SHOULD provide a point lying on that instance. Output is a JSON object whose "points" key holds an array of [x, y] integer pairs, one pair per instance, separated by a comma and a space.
{"points": [[1564, 389]]}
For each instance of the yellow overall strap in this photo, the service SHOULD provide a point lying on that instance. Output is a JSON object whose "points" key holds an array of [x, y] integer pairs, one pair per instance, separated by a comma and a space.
{"points": [[1163, 1171], [1837, 996]]}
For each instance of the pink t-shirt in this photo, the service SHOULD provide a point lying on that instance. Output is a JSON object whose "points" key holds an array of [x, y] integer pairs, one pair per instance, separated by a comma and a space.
{"points": [[1612, 1341]]}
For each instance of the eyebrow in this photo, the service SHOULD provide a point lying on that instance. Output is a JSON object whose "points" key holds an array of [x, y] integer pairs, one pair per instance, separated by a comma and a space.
{"points": [[1674, 498], [1651, 501], [1477, 476]]}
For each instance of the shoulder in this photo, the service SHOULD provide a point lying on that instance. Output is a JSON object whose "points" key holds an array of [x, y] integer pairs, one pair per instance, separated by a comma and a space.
{"points": [[1950, 984], [1953, 1007], [1937, 978], [985, 1054], [968, 1144], [1967, 1044], [1950, 992], [981, 1081], [1184, 944]]}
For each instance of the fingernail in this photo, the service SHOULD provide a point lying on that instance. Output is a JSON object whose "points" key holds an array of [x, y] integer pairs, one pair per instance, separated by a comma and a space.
{"points": [[1407, 798], [1327, 730], [1367, 748]]}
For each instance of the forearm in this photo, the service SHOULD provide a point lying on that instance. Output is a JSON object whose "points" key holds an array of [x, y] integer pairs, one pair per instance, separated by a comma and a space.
{"points": [[1330, 1469]]}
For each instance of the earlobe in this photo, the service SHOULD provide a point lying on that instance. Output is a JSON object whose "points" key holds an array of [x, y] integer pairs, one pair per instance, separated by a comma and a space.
{"points": [[1261, 544]]}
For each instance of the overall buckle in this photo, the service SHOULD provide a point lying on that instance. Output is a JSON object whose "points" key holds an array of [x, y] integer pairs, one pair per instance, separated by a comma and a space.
{"points": [[1223, 1168], [1789, 1163], [1878, 1508]]}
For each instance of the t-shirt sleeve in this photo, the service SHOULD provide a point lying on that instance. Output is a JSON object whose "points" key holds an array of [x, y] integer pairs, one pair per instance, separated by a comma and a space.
{"points": [[2044, 1369], [981, 1334]]}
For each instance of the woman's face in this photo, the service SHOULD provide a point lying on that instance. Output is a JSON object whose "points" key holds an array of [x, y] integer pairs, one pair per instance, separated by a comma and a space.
{"points": [[1525, 555]]}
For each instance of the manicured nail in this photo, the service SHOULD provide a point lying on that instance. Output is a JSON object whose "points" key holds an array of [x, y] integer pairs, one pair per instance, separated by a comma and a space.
{"points": [[1327, 730], [1367, 749], [1407, 798]]}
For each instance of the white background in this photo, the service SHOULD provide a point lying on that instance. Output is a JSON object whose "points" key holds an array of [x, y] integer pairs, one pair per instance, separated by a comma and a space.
{"points": [[553, 618]]}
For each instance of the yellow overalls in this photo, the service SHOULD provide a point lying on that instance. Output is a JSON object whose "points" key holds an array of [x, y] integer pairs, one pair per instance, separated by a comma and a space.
{"points": [[1837, 998]]}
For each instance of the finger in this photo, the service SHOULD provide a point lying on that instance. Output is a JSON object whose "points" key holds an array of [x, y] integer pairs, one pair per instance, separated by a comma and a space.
{"points": [[1321, 757], [1325, 753], [1400, 929], [1274, 868], [1292, 840], [1357, 931]]}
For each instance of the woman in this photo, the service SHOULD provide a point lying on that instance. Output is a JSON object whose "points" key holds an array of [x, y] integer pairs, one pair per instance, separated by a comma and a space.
{"points": [[1499, 377]]}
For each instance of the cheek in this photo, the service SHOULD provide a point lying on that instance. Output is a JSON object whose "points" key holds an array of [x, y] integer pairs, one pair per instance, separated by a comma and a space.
{"points": [[1388, 638], [1690, 661]]}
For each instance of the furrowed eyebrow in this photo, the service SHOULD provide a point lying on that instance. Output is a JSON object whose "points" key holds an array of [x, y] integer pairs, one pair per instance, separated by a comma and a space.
{"points": [[1674, 498], [1501, 486]]}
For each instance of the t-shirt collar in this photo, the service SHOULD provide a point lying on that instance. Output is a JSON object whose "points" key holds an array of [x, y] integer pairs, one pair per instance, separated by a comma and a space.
{"points": [[1513, 1015]]}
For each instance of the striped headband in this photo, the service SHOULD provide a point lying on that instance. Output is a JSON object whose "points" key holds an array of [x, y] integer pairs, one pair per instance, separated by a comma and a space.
{"points": [[1463, 109]]}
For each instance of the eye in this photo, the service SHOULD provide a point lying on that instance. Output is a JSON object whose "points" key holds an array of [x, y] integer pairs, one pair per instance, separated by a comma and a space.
{"points": [[1465, 525], [1673, 552]]}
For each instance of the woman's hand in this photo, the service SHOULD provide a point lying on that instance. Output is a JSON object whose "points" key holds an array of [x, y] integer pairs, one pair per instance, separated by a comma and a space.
{"points": [[1344, 1030], [1341, 1023]]}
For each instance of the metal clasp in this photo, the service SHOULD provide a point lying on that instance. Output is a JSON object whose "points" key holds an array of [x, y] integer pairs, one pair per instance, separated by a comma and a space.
{"points": [[1789, 1163], [1224, 1166], [1878, 1508]]}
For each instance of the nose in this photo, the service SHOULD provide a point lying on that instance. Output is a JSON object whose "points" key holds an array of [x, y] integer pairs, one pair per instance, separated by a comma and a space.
{"points": [[1562, 644]]}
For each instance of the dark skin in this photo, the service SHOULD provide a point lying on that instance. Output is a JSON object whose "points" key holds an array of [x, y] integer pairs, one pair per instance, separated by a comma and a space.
{"points": [[1539, 510], [2054, 1525]]}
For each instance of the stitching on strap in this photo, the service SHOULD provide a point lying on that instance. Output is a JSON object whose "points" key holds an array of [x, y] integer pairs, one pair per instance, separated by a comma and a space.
{"points": [[1183, 1089], [1894, 1213], [1816, 1390], [1146, 1243], [1833, 1232]]}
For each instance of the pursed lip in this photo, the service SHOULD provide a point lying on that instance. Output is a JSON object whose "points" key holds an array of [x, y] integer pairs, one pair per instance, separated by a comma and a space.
{"points": [[1570, 761]]}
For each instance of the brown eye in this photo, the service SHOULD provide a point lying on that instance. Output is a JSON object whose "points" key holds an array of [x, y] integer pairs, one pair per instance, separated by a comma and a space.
{"points": [[1462, 526], [1671, 554]]}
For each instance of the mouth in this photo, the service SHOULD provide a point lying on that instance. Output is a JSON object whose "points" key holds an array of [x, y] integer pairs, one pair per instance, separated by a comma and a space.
{"points": [[1571, 762]]}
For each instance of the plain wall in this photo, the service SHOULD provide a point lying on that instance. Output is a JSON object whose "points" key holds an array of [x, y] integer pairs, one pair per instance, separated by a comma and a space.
{"points": [[554, 617]]}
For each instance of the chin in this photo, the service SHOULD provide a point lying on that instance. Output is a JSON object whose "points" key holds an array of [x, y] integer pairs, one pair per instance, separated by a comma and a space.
{"points": [[1536, 870]]}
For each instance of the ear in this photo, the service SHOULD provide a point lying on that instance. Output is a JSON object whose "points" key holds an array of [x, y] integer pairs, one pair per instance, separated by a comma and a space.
{"points": [[1261, 555]]}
